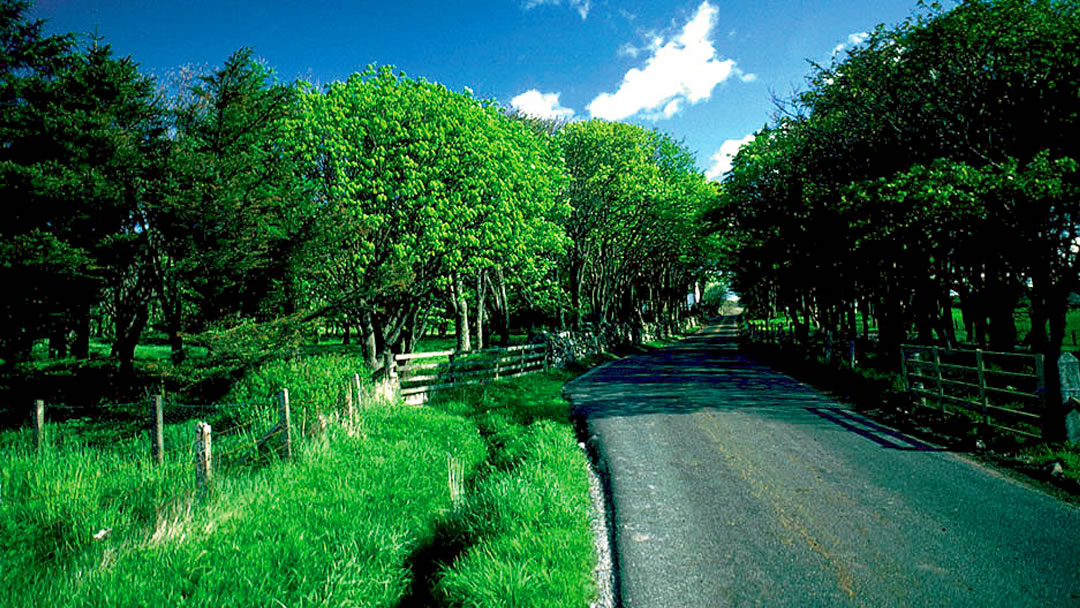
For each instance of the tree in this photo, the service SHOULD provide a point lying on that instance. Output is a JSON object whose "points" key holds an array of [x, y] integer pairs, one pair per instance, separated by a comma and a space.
{"points": [[417, 188], [637, 201], [223, 234], [939, 158], [81, 134]]}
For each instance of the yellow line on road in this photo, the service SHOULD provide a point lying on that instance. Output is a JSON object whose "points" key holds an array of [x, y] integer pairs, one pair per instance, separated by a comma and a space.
{"points": [[845, 580]]}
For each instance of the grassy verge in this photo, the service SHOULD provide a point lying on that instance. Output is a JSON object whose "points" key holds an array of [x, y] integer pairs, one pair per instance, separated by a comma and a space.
{"points": [[525, 526], [478, 500]]}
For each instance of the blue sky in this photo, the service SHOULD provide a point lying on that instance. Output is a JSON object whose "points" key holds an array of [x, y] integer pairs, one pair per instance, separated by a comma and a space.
{"points": [[703, 71]]}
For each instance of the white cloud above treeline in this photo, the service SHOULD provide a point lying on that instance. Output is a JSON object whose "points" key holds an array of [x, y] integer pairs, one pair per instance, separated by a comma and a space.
{"points": [[721, 159], [581, 6], [852, 40], [682, 70], [541, 105]]}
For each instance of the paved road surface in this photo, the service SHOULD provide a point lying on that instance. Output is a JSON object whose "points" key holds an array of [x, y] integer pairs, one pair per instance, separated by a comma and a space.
{"points": [[734, 485]]}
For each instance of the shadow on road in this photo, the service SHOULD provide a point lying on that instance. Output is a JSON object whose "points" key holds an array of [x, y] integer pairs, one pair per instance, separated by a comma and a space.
{"points": [[707, 371]]}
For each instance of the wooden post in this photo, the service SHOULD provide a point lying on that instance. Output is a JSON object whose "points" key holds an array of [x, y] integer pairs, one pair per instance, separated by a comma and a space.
{"points": [[940, 386], [357, 399], [158, 438], [39, 424], [204, 464], [499, 353], [980, 367], [286, 422]]}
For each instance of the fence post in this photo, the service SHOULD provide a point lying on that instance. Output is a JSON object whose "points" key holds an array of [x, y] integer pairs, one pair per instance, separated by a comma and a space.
{"points": [[158, 439], [500, 352], [204, 467], [940, 386], [286, 422], [39, 424], [1040, 373], [357, 393], [980, 366]]}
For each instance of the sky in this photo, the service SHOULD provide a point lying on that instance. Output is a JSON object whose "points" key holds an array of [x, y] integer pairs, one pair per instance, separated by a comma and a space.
{"points": [[706, 72]]}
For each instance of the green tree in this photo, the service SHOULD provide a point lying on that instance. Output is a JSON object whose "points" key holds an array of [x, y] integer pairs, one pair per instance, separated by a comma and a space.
{"points": [[418, 188], [82, 136], [224, 232], [637, 202]]}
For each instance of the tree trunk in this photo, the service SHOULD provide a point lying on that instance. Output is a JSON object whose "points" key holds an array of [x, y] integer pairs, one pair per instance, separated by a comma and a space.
{"points": [[503, 307], [480, 289], [461, 312], [81, 348], [368, 342], [1054, 419], [58, 340], [129, 329], [577, 284]]}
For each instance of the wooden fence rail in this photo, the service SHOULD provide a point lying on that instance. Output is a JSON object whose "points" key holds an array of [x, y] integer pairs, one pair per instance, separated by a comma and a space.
{"points": [[1007, 390], [421, 374]]}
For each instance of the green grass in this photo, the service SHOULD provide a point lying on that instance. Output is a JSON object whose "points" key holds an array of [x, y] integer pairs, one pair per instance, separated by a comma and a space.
{"points": [[362, 516], [1022, 319], [526, 521]]}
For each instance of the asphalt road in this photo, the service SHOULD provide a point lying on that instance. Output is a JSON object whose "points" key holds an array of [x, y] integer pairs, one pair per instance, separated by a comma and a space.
{"points": [[735, 485]]}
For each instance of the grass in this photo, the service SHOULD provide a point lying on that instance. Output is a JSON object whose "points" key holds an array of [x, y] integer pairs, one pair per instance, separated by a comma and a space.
{"points": [[478, 500], [526, 523]]}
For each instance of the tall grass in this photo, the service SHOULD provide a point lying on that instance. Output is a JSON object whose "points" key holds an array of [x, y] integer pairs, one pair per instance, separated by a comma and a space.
{"points": [[493, 473], [526, 522]]}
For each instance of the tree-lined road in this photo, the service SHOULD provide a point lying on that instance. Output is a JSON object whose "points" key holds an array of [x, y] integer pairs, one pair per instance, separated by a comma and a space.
{"points": [[733, 484]]}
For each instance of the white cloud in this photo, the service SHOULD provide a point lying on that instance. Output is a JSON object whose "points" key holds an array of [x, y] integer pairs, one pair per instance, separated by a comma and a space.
{"points": [[852, 40], [721, 159], [683, 69], [581, 6], [541, 105]]}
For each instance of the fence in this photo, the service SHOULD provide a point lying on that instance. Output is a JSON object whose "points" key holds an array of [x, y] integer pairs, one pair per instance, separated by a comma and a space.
{"points": [[419, 375], [1006, 390], [236, 432]]}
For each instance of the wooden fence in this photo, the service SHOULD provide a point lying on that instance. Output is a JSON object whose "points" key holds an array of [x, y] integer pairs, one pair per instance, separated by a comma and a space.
{"points": [[1006, 390], [422, 374]]}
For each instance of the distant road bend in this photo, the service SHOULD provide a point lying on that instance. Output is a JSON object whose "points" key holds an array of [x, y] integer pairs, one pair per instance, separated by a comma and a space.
{"points": [[735, 485]]}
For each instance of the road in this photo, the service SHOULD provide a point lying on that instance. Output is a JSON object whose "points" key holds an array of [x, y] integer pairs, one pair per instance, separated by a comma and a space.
{"points": [[735, 485]]}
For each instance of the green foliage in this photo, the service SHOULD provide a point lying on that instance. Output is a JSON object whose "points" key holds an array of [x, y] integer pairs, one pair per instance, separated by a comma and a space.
{"points": [[80, 142], [347, 522], [316, 383], [414, 182], [635, 227], [224, 230], [339, 526], [938, 157]]}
